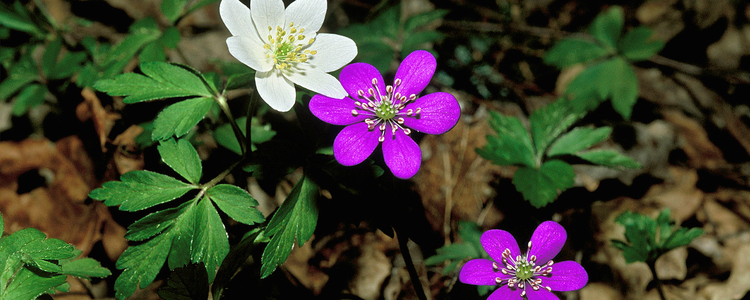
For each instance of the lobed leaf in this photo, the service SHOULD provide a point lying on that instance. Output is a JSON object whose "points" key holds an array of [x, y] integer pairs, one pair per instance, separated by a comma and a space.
{"points": [[29, 97], [186, 283], [236, 203], [540, 186], [607, 26], [181, 157], [547, 123], [140, 264], [609, 158], [511, 145], [638, 44], [224, 135], [423, 19], [85, 268], [179, 118], [160, 81], [154, 223], [139, 190], [294, 221], [578, 139], [571, 51]]}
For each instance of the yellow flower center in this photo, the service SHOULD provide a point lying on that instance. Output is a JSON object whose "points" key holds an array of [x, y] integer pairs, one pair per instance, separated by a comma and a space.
{"points": [[288, 48]]}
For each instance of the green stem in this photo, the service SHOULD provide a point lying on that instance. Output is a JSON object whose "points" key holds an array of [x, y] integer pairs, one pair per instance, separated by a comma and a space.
{"points": [[659, 287], [403, 241]]}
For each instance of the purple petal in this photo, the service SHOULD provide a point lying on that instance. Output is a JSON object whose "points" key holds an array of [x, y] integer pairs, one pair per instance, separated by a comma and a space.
{"points": [[541, 294], [402, 155], [335, 111], [354, 144], [495, 241], [566, 276], [359, 76], [439, 113], [547, 241], [415, 72], [479, 272], [505, 293]]}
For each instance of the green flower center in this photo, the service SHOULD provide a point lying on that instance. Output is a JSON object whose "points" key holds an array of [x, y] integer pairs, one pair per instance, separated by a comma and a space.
{"points": [[286, 49], [524, 270], [385, 110]]}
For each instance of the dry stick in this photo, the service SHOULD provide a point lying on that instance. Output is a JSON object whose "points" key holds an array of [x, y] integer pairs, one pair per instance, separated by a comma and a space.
{"points": [[403, 241], [659, 287]]}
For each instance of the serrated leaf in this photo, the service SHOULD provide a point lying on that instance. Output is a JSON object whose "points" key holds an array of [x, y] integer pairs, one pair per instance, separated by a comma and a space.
{"points": [[210, 241], [139, 264], [85, 268], [139, 190], [172, 9], [624, 88], [181, 156], [154, 223], [235, 259], [540, 186], [186, 283], [152, 52], [224, 135], [236, 203], [637, 44], [119, 56], [511, 145], [682, 237], [596, 84], [240, 81], [294, 221], [179, 118], [578, 139], [609, 158], [547, 123], [31, 96], [27, 285], [571, 51], [607, 26], [160, 81], [68, 65]]}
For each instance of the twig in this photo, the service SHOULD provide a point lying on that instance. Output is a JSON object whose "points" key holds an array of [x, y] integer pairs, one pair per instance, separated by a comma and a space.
{"points": [[403, 241], [659, 287]]}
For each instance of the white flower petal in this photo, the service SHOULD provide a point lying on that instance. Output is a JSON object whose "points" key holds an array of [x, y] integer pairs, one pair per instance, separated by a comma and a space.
{"points": [[316, 80], [307, 14], [334, 51], [267, 13], [249, 51], [237, 18], [276, 90]]}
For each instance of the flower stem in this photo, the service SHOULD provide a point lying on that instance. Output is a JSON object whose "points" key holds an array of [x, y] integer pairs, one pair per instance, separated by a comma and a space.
{"points": [[659, 287], [403, 241]]}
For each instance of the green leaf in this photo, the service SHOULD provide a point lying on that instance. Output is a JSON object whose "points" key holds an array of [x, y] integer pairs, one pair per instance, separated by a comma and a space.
{"points": [[547, 123], [294, 221], [210, 241], [607, 26], [139, 190], [609, 158], [200, 4], [27, 285], [21, 74], [571, 51], [120, 55], [152, 52], [179, 118], [511, 145], [154, 223], [224, 135], [170, 37], [240, 81], [387, 23], [540, 186], [624, 88], [31, 96], [423, 19], [236, 203], [372, 47], [181, 157], [2, 225], [172, 9], [637, 45], [235, 259], [18, 18], [161, 81], [578, 139], [49, 58], [186, 283], [682, 237], [141, 264], [68, 65], [85, 268]]}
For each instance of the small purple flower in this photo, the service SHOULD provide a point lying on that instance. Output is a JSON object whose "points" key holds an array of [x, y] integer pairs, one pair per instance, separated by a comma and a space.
{"points": [[377, 113], [527, 275]]}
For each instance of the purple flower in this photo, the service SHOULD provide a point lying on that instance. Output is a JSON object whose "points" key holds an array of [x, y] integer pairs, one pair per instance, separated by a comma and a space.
{"points": [[529, 275], [377, 113]]}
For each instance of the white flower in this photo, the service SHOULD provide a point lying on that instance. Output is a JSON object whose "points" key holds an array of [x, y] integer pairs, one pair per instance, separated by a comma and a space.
{"points": [[284, 49]]}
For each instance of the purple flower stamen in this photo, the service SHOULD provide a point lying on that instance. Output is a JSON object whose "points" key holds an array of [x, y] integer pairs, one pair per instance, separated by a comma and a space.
{"points": [[522, 275]]}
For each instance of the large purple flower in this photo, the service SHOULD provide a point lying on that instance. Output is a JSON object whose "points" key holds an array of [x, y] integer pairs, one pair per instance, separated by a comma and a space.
{"points": [[378, 113], [529, 275]]}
